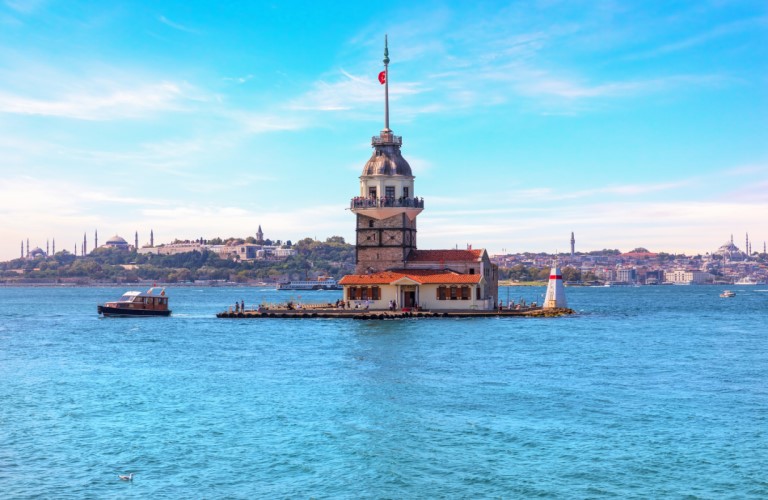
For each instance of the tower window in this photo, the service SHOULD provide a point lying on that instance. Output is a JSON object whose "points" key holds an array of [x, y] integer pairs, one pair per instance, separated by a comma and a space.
{"points": [[372, 192], [389, 191], [370, 223], [406, 192]]}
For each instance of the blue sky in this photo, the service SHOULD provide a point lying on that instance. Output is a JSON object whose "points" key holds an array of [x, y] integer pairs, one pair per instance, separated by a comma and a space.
{"points": [[629, 123]]}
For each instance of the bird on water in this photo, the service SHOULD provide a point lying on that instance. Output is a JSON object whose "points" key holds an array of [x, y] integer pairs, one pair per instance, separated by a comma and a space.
{"points": [[129, 477]]}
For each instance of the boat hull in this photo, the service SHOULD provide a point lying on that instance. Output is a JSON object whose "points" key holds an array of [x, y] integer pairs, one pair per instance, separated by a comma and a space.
{"points": [[108, 311]]}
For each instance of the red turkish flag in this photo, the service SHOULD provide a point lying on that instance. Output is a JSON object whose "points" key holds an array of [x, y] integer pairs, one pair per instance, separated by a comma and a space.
{"points": [[382, 78]]}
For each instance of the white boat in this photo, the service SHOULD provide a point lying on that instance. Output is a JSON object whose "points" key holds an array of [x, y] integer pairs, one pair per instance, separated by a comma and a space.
{"points": [[727, 293], [318, 284], [746, 280]]}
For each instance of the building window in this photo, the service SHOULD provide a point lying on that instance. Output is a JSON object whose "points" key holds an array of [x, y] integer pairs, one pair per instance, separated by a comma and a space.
{"points": [[364, 291], [471, 270], [372, 192], [389, 192], [441, 293], [405, 192], [479, 295], [453, 293], [370, 223], [375, 293], [351, 293], [465, 292]]}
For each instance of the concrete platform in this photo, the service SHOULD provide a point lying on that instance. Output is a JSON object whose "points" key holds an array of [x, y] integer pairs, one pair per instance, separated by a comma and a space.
{"points": [[360, 314]]}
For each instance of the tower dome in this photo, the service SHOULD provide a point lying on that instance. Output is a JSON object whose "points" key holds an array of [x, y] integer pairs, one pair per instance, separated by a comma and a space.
{"points": [[387, 158]]}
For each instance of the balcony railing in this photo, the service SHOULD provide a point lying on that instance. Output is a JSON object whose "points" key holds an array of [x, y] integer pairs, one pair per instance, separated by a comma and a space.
{"points": [[358, 202], [378, 140]]}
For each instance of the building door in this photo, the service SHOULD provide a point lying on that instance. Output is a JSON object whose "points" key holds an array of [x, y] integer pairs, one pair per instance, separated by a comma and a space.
{"points": [[409, 299]]}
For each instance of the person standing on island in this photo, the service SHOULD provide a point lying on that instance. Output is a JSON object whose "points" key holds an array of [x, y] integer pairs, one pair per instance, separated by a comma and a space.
{"points": [[242, 305]]}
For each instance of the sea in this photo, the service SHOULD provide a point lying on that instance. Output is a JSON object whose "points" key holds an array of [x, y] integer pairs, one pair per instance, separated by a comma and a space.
{"points": [[646, 392]]}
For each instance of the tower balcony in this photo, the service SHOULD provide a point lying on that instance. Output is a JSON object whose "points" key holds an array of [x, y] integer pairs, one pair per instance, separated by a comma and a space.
{"points": [[383, 208], [386, 139]]}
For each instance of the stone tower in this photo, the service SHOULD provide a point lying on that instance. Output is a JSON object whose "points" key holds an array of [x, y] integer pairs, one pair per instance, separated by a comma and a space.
{"points": [[387, 207], [259, 236]]}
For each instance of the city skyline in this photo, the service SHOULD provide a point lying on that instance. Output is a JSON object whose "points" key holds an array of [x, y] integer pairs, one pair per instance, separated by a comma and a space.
{"points": [[630, 125]]}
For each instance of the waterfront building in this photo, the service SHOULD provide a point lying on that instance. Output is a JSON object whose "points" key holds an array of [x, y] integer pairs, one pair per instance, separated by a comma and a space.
{"points": [[389, 269], [626, 275], [687, 277]]}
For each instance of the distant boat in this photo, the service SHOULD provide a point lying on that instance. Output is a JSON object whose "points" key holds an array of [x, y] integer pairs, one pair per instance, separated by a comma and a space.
{"points": [[746, 280], [727, 293], [318, 284], [153, 302]]}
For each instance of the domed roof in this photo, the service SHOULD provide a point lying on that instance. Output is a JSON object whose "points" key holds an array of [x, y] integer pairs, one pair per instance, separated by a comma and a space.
{"points": [[387, 162], [116, 240], [36, 251], [728, 249]]}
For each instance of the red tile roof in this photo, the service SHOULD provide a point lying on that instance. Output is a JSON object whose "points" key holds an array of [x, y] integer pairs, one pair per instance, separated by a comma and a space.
{"points": [[446, 255], [421, 276]]}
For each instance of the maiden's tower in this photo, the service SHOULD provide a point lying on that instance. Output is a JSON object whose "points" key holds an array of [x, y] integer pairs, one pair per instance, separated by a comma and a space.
{"points": [[390, 270]]}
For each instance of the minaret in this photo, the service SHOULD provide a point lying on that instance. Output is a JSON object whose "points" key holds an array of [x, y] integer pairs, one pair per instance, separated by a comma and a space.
{"points": [[27, 247], [136, 241], [47, 249], [387, 207], [95, 239], [573, 245], [53, 247], [151, 238], [22, 249], [746, 246]]}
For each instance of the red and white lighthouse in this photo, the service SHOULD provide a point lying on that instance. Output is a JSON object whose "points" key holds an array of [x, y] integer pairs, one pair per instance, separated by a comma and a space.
{"points": [[555, 297]]}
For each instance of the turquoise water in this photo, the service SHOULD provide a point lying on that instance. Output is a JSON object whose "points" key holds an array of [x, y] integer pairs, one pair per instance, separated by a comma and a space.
{"points": [[649, 392]]}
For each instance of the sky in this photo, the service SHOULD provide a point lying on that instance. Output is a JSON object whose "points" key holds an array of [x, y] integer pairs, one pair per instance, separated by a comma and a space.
{"points": [[631, 124]]}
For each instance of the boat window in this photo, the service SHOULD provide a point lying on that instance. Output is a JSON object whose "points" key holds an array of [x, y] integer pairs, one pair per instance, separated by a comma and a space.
{"points": [[126, 298]]}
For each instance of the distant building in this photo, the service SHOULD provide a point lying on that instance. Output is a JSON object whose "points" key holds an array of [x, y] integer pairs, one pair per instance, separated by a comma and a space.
{"points": [[626, 275], [730, 251], [687, 277], [117, 242]]}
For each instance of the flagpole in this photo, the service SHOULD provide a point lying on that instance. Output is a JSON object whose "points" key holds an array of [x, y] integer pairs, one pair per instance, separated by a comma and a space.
{"points": [[386, 85]]}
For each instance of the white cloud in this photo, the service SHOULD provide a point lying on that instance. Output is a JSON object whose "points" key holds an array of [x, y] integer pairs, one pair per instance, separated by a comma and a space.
{"points": [[177, 26], [349, 92], [103, 104]]}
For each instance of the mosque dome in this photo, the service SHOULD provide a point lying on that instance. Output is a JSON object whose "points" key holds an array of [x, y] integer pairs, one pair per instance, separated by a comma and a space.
{"points": [[728, 249], [37, 251], [116, 242]]}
